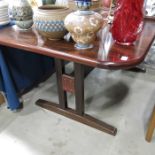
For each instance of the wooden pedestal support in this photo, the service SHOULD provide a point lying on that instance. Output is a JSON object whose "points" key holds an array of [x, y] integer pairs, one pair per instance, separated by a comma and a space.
{"points": [[85, 119], [74, 85]]}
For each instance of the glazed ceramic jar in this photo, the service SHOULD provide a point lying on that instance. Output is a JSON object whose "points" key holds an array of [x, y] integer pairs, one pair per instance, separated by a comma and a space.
{"points": [[49, 21], [21, 12], [83, 26]]}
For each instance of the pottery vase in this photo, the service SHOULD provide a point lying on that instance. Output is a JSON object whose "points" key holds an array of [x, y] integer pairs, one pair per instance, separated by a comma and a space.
{"points": [[21, 12], [49, 21], [83, 25]]}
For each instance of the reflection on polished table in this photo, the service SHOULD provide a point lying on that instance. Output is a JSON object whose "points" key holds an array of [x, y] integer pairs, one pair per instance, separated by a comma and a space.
{"points": [[118, 57]]}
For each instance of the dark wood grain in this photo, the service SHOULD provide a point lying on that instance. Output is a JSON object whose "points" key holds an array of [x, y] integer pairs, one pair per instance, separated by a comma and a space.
{"points": [[68, 83], [31, 41], [60, 70], [79, 88], [85, 119]]}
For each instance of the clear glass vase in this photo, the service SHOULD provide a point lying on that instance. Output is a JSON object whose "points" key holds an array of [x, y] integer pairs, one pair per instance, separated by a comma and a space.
{"points": [[128, 21]]}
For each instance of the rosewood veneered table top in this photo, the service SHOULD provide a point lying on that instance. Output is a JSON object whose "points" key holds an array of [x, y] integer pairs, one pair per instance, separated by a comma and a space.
{"points": [[117, 57]]}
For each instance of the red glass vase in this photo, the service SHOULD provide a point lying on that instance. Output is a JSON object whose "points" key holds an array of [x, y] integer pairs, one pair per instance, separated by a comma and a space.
{"points": [[128, 21]]}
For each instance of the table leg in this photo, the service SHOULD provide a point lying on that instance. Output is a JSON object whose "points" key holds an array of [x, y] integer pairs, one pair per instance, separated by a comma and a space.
{"points": [[79, 88], [76, 86], [60, 70]]}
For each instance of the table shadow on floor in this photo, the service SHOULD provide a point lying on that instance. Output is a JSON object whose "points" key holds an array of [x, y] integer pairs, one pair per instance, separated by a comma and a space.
{"points": [[115, 94]]}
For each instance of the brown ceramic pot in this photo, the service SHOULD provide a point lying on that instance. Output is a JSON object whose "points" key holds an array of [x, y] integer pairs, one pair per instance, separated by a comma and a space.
{"points": [[83, 26]]}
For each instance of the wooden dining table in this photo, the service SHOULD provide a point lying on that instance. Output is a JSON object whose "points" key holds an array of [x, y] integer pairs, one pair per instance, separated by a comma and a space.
{"points": [[116, 57]]}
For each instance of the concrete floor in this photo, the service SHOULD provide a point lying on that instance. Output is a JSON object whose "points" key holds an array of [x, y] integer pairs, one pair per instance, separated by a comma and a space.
{"points": [[122, 98]]}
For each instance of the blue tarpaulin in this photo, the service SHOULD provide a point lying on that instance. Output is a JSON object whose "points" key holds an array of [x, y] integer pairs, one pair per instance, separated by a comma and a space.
{"points": [[20, 70], [13, 102]]}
